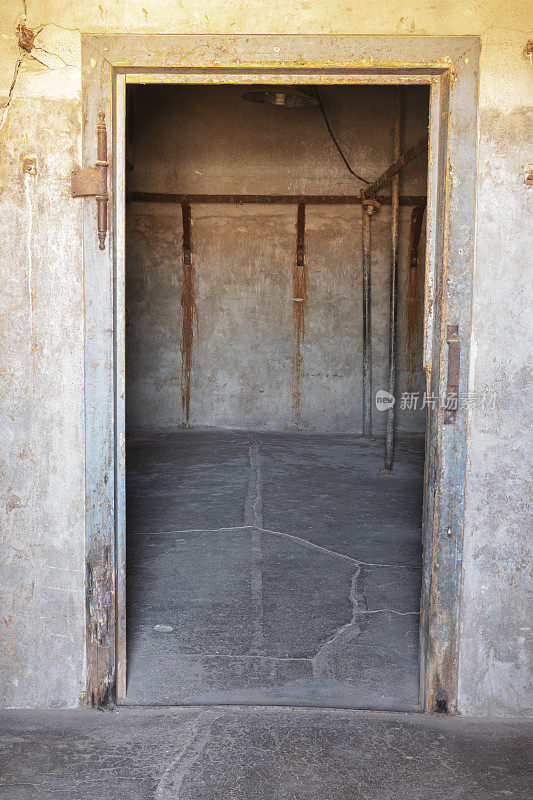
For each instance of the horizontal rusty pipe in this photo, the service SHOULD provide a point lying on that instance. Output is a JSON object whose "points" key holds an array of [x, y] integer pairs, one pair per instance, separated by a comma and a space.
{"points": [[266, 199], [398, 164]]}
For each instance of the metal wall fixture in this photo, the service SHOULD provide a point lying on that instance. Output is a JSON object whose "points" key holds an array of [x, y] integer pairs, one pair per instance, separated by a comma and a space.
{"points": [[452, 383], [283, 96]]}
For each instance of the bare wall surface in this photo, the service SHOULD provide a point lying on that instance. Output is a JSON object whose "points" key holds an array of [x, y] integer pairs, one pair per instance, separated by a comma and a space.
{"points": [[41, 413], [42, 491], [244, 343], [209, 140]]}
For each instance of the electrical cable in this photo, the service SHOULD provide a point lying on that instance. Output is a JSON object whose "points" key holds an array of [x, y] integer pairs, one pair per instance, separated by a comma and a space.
{"points": [[335, 142]]}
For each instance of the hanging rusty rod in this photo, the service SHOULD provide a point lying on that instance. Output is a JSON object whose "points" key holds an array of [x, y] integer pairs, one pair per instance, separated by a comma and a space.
{"points": [[267, 199], [393, 302], [395, 167]]}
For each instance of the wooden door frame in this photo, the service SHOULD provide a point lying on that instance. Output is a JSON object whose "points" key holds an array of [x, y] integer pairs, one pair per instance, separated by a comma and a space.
{"points": [[449, 66]]}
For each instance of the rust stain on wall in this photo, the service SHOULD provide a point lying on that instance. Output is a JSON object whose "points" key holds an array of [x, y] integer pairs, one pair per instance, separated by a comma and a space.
{"points": [[189, 315], [299, 305], [413, 300]]}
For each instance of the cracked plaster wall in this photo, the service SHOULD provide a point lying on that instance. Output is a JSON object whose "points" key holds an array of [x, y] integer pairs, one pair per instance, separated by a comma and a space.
{"points": [[42, 329]]}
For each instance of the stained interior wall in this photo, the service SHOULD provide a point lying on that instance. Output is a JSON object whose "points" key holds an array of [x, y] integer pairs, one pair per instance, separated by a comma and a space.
{"points": [[245, 373]]}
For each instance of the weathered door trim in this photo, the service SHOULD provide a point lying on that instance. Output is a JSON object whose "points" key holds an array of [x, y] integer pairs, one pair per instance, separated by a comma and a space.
{"points": [[450, 66]]}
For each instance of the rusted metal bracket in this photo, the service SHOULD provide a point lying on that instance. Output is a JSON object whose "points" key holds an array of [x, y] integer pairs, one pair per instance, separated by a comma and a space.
{"points": [[92, 181], [186, 219], [299, 275], [371, 205], [452, 385], [300, 236]]}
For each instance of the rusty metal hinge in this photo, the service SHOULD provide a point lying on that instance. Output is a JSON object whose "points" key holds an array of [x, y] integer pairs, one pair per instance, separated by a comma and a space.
{"points": [[92, 181], [452, 385]]}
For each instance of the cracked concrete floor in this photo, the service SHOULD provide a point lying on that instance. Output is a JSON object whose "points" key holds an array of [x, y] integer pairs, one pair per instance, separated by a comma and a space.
{"points": [[272, 569], [260, 754]]}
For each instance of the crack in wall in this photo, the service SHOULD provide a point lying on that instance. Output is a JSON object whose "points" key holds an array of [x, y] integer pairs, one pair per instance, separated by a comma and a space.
{"points": [[7, 104], [26, 48]]}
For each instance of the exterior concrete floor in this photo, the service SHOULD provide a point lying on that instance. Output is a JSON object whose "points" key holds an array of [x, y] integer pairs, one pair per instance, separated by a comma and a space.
{"points": [[260, 754], [272, 569]]}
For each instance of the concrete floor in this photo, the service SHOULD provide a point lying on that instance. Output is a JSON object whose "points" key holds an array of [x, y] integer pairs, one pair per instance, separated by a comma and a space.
{"points": [[273, 568], [260, 754]]}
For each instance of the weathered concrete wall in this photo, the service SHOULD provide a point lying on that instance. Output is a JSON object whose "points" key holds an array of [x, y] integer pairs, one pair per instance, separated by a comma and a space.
{"points": [[208, 140], [42, 408], [42, 434], [496, 641]]}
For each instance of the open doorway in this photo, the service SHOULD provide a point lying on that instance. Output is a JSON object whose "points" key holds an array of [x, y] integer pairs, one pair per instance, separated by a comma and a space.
{"points": [[270, 560]]}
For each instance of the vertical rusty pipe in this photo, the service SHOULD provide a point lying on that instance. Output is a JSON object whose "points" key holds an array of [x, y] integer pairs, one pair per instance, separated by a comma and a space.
{"points": [[300, 290], [102, 164], [189, 314], [367, 329], [393, 322], [368, 207]]}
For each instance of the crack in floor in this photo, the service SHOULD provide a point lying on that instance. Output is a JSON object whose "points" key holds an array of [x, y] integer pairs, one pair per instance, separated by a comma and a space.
{"points": [[248, 657], [298, 539], [176, 772], [322, 661], [253, 517], [253, 506]]}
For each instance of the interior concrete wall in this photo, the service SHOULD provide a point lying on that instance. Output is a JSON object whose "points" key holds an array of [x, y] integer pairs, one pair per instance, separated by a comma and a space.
{"points": [[209, 140], [42, 458]]}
